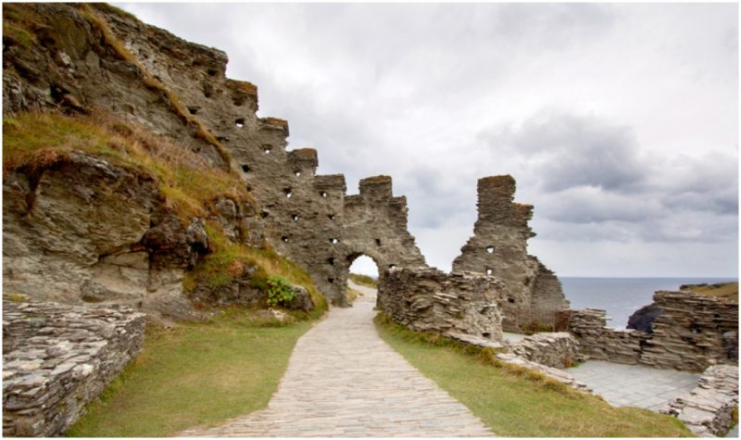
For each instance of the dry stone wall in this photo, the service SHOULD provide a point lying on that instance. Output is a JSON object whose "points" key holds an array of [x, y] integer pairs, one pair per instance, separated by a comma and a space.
{"points": [[57, 358], [531, 293], [694, 332], [708, 409], [557, 350], [426, 299]]}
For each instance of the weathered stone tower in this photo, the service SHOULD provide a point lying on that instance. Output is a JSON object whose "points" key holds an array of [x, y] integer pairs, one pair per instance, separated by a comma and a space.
{"points": [[531, 293]]}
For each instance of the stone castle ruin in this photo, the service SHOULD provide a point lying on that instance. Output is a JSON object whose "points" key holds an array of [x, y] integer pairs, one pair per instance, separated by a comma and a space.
{"points": [[88, 231], [306, 217]]}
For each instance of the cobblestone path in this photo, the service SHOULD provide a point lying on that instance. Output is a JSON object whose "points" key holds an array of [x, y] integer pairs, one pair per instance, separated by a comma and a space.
{"points": [[344, 381]]}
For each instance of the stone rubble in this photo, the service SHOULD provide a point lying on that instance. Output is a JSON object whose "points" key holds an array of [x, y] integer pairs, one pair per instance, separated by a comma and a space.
{"points": [[557, 350], [57, 358], [708, 409]]}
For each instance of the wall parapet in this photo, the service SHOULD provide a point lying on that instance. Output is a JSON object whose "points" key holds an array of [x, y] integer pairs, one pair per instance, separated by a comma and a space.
{"points": [[57, 358]]}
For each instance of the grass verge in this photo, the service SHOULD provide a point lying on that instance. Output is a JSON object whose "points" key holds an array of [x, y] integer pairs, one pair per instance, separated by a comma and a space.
{"points": [[193, 375], [512, 402]]}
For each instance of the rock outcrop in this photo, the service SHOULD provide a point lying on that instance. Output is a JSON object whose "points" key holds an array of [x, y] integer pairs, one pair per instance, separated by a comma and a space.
{"points": [[57, 358], [532, 294]]}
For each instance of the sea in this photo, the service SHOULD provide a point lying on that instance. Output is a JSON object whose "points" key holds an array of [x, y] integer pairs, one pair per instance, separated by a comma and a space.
{"points": [[620, 297]]}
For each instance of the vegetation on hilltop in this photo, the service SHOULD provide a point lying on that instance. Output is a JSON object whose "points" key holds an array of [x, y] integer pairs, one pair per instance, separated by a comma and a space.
{"points": [[726, 291], [517, 402]]}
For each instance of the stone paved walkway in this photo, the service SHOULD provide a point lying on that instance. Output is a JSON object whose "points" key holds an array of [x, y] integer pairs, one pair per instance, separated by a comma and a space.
{"points": [[344, 381], [634, 385]]}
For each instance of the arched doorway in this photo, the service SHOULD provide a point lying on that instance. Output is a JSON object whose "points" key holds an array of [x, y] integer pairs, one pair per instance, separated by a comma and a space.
{"points": [[362, 272]]}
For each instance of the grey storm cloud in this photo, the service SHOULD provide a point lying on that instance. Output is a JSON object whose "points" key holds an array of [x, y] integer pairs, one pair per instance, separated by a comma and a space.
{"points": [[619, 121]]}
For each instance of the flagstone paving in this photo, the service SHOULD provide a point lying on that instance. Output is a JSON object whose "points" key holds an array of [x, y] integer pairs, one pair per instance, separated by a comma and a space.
{"points": [[344, 381], [634, 385]]}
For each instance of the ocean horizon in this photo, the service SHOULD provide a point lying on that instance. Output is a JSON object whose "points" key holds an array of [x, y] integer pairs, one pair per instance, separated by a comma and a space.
{"points": [[620, 297]]}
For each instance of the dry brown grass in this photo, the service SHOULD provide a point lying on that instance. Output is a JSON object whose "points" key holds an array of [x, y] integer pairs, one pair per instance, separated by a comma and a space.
{"points": [[725, 291], [186, 180]]}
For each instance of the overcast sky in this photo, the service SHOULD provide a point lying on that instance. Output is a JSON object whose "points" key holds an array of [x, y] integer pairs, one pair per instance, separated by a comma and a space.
{"points": [[619, 122]]}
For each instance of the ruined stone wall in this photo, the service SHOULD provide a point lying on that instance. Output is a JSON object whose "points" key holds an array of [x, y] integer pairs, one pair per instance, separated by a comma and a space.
{"points": [[426, 299], [57, 358], [499, 247], [557, 350], [694, 332]]}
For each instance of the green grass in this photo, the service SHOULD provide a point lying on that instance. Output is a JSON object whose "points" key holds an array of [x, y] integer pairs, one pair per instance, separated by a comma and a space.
{"points": [[193, 375], [363, 280], [516, 403]]}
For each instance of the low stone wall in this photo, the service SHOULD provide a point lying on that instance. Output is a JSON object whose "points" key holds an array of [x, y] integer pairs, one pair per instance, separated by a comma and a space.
{"points": [[557, 350], [57, 358], [427, 299], [707, 410], [694, 332], [605, 343]]}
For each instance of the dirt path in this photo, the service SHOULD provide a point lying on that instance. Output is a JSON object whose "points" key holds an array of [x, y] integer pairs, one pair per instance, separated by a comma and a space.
{"points": [[344, 381]]}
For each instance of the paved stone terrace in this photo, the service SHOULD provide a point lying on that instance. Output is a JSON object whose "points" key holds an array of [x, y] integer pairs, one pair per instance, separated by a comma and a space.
{"points": [[344, 381], [634, 385]]}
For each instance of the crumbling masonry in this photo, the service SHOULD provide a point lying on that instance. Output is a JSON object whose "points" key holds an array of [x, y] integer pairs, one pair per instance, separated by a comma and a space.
{"points": [[304, 216]]}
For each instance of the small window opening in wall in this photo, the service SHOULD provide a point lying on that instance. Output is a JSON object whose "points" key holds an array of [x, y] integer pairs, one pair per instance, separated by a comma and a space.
{"points": [[294, 217], [289, 193], [297, 173], [511, 300], [490, 249], [249, 188], [330, 261], [331, 216], [489, 271], [267, 148], [285, 239], [486, 335], [378, 241], [245, 168], [193, 110], [323, 194], [264, 214], [392, 266], [239, 122], [212, 72], [331, 280], [334, 240]]}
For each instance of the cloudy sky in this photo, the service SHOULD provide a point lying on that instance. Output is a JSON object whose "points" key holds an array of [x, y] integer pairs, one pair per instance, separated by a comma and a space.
{"points": [[619, 122]]}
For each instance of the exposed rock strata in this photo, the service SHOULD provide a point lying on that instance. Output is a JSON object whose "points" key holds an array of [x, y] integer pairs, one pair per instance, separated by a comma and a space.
{"points": [[57, 358], [531, 293]]}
